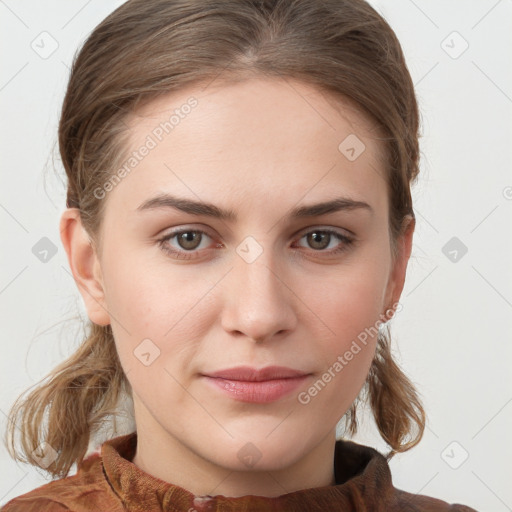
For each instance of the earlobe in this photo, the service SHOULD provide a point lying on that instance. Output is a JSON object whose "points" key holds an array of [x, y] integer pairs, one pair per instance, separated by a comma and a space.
{"points": [[84, 265]]}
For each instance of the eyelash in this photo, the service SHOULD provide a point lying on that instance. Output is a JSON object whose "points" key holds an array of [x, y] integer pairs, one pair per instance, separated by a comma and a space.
{"points": [[187, 255]]}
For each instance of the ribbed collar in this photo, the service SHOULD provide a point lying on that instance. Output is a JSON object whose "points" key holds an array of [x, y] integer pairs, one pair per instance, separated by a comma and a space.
{"points": [[362, 478]]}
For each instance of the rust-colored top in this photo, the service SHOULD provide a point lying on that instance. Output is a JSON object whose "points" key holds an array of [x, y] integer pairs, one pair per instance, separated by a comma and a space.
{"points": [[110, 482]]}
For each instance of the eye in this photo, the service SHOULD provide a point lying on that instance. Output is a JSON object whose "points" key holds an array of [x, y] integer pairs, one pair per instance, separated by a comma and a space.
{"points": [[186, 243], [321, 239], [189, 240], [186, 240]]}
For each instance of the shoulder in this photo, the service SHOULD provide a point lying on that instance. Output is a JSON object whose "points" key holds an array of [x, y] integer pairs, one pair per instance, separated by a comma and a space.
{"points": [[86, 491], [33, 505], [365, 472], [419, 503]]}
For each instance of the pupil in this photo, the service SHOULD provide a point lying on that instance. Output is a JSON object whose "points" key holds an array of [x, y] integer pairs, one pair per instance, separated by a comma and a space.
{"points": [[188, 240], [317, 238]]}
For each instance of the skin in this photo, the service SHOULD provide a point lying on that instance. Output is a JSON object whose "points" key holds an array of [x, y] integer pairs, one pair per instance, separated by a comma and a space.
{"points": [[259, 147]]}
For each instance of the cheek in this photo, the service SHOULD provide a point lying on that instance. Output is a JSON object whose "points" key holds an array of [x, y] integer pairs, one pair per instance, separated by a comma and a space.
{"points": [[143, 293], [157, 303], [351, 306], [351, 299]]}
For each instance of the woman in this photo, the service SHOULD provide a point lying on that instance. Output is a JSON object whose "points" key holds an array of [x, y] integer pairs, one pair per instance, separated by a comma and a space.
{"points": [[239, 223]]}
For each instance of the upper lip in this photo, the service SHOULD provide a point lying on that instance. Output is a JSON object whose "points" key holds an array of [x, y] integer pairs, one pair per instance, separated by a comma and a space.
{"points": [[249, 374]]}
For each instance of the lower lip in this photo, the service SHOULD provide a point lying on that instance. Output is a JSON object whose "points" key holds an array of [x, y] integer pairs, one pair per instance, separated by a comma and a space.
{"points": [[256, 392]]}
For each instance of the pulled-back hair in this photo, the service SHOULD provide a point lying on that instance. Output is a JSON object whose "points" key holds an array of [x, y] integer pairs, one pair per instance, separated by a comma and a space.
{"points": [[145, 49]]}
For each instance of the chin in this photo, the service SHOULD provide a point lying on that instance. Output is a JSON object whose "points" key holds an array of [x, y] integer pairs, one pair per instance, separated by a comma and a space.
{"points": [[258, 452]]}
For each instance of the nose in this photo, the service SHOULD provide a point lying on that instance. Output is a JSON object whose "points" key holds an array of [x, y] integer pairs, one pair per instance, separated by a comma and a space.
{"points": [[259, 303]]}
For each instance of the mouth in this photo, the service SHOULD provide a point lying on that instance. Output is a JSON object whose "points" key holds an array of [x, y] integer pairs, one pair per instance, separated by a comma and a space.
{"points": [[249, 374], [246, 384]]}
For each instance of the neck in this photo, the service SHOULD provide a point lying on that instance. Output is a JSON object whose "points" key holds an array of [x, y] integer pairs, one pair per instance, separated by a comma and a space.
{"points": [[161, 455]]}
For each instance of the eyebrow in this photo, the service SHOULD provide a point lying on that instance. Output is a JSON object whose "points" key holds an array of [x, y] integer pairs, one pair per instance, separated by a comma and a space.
{"points": [[163, 201]]}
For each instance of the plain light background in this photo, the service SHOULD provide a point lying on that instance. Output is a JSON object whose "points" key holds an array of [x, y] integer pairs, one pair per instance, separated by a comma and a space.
{"points": [[453, 336]]}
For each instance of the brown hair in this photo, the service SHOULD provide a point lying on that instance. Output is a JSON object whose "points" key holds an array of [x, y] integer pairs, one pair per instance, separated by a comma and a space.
{"points": [[145, 49]]}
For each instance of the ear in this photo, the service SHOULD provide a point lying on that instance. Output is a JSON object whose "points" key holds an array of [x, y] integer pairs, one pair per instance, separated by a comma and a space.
{"points": [[84, 264], [399, 267]]}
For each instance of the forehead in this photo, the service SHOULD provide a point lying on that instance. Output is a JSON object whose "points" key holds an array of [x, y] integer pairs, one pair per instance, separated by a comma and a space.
{"points": [[254, 137], [253, 103]]}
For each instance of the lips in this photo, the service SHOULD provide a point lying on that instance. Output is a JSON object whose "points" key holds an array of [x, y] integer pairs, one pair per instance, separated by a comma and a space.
{"points": [[249, 374], [246, 384]]}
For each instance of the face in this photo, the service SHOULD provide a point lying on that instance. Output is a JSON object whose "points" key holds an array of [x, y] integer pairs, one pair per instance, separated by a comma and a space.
{"points": [[190, 293]]}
